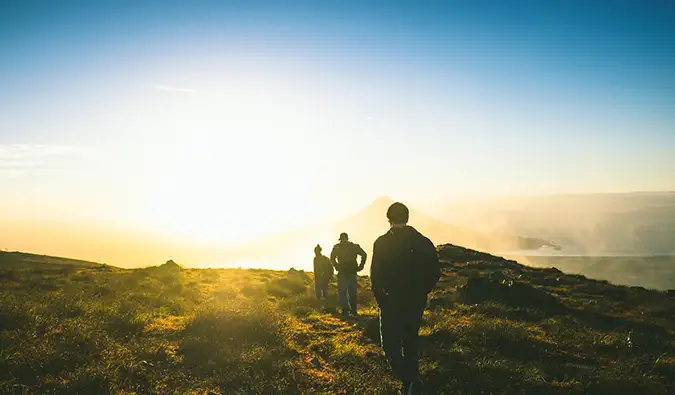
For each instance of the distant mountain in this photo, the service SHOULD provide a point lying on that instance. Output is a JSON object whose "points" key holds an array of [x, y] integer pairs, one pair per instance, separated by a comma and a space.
{"points": [[363, 227], [371, 222]]}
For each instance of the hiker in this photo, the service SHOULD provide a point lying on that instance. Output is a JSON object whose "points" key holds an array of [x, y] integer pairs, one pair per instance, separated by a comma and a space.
{"points": [[323, 273], [403, 271], [343, 258]]}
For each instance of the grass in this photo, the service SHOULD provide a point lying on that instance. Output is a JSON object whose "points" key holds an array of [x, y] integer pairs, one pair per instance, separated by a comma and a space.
{"points": [[94, 330]]}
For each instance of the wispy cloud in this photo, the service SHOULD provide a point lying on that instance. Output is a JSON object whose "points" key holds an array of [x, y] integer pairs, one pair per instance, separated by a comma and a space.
{"points": [[18, 159]]}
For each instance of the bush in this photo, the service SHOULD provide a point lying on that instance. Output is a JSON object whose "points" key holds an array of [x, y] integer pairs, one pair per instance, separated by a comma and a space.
{"points": [[288, 286]]}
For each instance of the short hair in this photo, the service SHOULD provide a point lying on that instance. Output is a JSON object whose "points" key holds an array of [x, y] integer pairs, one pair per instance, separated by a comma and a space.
{"points": [[398, 213]]}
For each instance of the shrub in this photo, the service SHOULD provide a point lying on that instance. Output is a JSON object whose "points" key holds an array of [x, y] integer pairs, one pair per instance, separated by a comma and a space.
{"points": [[288, 286]]}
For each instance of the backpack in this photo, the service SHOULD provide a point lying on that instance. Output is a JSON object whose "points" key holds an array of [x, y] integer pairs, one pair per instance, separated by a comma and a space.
{"points": [[323, 268], [326, 268], [346, 256], [413, 264]]}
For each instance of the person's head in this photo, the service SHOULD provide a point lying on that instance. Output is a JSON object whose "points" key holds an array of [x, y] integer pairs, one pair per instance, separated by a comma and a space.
{"points": [[398, 214], [344, 236], [317, 250]]}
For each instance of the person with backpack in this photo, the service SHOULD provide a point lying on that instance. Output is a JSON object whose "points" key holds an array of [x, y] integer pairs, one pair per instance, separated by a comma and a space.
{"points": [[403, 271], [323, 273], [343, 257]]}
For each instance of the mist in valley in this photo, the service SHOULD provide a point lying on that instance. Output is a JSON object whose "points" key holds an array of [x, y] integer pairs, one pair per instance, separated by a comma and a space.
{"points": [[625, 238]]}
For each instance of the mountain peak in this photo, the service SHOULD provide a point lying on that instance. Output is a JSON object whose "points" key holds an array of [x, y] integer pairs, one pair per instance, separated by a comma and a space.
{"points": [[382, 201]]}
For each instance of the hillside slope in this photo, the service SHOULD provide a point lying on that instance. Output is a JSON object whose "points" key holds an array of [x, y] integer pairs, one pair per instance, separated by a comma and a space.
{"points": [[492, 327], [25, 260]]}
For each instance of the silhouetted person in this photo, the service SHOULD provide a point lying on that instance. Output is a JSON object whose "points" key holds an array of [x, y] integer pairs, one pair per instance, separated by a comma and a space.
{"points": [[343, 257], [404, 270], [323, 272]]}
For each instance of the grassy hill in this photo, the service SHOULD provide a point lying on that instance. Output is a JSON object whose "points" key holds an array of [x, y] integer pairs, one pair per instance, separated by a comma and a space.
{"points": [[23, 260], [492, 327]]}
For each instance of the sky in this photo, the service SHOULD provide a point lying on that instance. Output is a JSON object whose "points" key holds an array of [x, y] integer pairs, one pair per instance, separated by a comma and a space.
{"points": [[222, 121]]}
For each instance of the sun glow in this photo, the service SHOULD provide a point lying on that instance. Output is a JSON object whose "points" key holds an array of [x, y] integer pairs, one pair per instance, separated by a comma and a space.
{"points": [[225, 166]]}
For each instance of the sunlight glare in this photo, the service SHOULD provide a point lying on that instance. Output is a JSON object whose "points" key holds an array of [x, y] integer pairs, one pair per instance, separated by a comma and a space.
{"points": [[221, 175]]}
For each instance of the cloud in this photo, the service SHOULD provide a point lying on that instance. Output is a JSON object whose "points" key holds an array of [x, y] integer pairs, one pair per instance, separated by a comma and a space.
{"points": [[18, 159]]}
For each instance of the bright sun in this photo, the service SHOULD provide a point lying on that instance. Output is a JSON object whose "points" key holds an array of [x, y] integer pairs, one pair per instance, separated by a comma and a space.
{"points": [[216, 172]]}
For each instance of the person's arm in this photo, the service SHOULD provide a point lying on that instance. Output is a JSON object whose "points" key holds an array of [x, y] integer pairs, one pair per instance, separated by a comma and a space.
{"points": [[363, 256], [333, 258], [432, 267], [317, 268], [376, 267]]}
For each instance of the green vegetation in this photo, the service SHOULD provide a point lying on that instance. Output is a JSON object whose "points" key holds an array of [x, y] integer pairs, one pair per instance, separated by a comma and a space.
{"points": [[24, 260], [493, 327]]}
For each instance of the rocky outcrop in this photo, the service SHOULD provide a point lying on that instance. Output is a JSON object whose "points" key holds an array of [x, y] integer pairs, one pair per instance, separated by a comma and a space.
{"points": [[508, 292], [171, 265], [456, 254]]}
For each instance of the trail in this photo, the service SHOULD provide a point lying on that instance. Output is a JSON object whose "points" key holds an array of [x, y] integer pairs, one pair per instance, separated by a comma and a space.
{"points": [[338, 356]]}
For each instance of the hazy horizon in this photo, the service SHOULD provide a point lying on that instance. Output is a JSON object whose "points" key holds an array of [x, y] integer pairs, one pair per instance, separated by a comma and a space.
{"points": [[471, 224], [138, 129]]}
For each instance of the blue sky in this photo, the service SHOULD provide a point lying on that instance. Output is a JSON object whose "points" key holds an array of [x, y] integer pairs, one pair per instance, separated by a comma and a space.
{"points": [[109, 107]]}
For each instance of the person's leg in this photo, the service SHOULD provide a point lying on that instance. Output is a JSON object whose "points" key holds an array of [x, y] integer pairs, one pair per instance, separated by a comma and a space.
{"points": [[317, 289], [324, 289], [390, 339], [342, 294], [352, 289], [410, 339]]}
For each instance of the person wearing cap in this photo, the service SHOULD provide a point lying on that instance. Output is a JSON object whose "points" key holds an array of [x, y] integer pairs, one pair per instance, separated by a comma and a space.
{"points": [[404, 269], [344, 259], [323, 272]]}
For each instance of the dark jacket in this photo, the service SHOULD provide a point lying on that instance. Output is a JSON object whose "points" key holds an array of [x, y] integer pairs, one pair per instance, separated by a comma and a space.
{"points": [[323, 269], [343, 258], [405, 264]]}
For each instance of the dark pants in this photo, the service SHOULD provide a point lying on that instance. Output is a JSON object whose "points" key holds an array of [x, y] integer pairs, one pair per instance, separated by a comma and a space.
{"points": [[347, 293], [321, 289], [399, 326]]}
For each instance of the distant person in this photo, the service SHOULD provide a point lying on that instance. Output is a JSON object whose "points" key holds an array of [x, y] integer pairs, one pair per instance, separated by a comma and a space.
{"points": [[323, 272], [404, 270], [343, 257]]}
